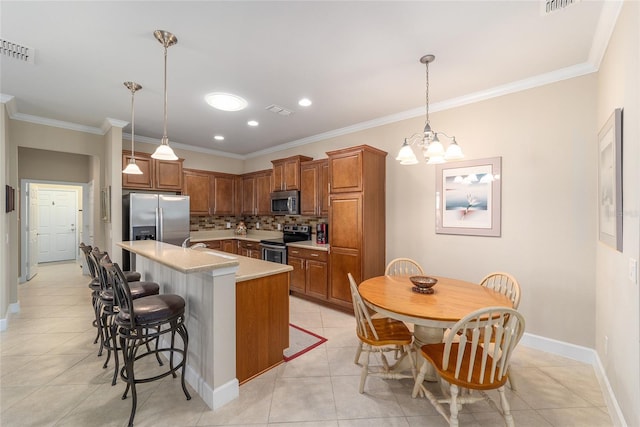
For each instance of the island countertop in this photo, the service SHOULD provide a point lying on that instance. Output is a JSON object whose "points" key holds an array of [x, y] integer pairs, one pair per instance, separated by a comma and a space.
{"points": [[201, 259]]}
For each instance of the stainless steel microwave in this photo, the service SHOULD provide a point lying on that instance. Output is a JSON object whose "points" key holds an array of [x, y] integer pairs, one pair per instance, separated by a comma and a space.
{"points": [[285, 203]]}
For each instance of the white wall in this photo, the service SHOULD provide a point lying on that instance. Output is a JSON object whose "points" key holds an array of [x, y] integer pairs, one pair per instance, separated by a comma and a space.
{"points": [[617, 298]]}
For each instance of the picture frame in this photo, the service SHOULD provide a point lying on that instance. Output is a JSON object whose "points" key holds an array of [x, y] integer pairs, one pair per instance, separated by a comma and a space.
{"points": [[468, 197], [610, 181]]}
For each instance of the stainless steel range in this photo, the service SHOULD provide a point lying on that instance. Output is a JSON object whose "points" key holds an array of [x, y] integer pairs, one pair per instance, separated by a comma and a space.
{"points": [[275, 250]]}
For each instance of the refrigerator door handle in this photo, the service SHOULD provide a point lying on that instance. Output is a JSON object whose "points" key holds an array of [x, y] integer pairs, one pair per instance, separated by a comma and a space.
{"points": [[159, 223]]}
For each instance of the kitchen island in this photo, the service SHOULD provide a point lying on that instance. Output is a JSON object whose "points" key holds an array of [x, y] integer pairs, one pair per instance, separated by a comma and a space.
{"points": [[237, 312]]}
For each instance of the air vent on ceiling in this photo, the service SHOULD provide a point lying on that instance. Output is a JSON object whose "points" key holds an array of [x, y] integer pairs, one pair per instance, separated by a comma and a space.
{"points": [[17, 51], [278, 110], [550, 6]]}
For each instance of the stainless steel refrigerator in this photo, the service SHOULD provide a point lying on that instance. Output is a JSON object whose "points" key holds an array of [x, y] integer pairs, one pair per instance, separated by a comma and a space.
{"points": [[147, 216]]}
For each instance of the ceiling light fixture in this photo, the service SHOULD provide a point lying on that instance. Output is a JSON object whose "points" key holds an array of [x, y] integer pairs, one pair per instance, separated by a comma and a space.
{"points": [[304, 102], [132, 168], [226, 101], [164, 152], [218, 138], [428, 140], [252, 123]]}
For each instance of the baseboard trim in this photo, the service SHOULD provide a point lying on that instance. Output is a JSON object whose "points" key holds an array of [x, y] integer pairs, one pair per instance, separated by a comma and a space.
{"points": [[581, 354], [12, 308]]}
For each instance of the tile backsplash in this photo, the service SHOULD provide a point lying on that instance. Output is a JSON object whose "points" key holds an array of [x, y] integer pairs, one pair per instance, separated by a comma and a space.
{"points": [[267, 222]]}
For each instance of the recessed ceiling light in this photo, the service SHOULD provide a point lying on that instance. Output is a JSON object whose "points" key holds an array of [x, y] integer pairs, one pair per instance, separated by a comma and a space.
{"points": [[252, 123], [219, 138], [304, 102], [226, 101]]}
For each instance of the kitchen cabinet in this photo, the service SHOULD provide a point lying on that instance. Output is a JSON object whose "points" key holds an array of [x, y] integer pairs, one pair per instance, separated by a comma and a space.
{"points": [[256, 193], [310, 272], [223, 194], [286, 173], [229, 245], [156, 174], [250, 249], [356, 218], [314, 188], [197, 185]]}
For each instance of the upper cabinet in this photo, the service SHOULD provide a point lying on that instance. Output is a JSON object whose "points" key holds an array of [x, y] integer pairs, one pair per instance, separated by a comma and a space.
{"points": [[197, 185], [223, 194], [256, 190], [286, 173], [314, 188], [156, 174]]}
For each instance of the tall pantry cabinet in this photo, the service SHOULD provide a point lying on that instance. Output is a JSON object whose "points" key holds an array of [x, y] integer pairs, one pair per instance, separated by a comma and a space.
{"points": [[356, 218]]}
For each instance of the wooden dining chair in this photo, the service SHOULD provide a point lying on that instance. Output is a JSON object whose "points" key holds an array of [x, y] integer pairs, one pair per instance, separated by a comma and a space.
{"points": [[475, 356], [379, 335], [505, 284], [403, 267]]}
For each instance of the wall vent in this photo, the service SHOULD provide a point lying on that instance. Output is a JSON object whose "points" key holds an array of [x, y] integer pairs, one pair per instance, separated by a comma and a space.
{"points": [[549, 6], [17, 51], [278, 110]]}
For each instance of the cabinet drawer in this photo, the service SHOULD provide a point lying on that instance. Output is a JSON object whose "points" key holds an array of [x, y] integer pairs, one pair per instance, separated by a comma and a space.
{"points": [[308, 254]]}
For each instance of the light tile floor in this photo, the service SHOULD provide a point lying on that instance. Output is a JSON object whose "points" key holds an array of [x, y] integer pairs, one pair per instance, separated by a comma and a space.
{"points": [[51, 376]]}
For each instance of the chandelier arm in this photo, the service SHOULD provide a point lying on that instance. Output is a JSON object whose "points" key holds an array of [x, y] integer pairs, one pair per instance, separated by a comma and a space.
{"points": [[445, 135]]}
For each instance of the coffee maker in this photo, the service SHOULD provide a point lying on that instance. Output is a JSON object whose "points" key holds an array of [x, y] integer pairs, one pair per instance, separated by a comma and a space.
{"points": [[322, 234]]}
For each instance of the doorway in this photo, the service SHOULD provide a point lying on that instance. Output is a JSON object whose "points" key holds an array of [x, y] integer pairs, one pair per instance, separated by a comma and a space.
{"points": [[53, 223]]}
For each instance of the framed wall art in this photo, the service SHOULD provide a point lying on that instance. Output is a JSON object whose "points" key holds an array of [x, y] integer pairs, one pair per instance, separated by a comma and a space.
{"points": [[610, 181], [468, 197]]}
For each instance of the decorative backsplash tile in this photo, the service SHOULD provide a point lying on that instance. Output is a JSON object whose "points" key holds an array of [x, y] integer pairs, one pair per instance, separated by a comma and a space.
{"points": [[267, 222]]}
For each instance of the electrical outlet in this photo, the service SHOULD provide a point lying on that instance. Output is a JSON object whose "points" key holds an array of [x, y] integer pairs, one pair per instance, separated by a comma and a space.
{"points": [[279, 226], [633, 270], [228, 225], [257, 226]]}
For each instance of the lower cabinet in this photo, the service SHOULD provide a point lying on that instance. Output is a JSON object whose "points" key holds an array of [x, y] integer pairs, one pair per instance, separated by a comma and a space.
{"points": [[229, 245], [250, 249], [310, 272]]}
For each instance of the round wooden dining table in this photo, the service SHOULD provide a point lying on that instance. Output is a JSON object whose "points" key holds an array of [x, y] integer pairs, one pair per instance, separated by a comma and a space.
{"points": [[452, 299]]}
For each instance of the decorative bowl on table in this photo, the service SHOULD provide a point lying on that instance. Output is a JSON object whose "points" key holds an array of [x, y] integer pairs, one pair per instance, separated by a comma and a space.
{"points": [[423, 284]]}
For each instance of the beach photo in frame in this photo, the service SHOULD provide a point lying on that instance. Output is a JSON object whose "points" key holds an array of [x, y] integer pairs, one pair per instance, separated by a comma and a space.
{"points": [[610, 181], [468, 197]]}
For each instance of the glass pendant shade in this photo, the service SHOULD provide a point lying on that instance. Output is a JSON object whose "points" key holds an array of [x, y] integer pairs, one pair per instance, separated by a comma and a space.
{"points": [[435, 148], [454, 152], [164, 152], [406, 156], [132, 168], [435, 160]]}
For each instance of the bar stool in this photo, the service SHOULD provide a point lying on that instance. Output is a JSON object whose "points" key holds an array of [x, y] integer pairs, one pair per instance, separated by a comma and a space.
{"points": [[141, 321], [94, 285], [108, 307]]}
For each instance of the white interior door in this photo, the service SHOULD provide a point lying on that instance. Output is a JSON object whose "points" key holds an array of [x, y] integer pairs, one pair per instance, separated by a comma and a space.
{"points": [[32, 232], [57, 210]]}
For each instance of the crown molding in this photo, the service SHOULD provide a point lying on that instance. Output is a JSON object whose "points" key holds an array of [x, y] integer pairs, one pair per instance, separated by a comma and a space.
{"points": [[509, 88], [112, 123], [604, 30]]}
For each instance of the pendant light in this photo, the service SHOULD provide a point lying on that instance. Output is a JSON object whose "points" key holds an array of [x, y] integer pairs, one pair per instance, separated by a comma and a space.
{"points": [[132, 168], [164, 152], [432, 149]]}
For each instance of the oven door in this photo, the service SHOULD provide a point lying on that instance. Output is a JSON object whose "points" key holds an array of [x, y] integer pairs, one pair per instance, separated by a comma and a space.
{"points": [[274, 253]]}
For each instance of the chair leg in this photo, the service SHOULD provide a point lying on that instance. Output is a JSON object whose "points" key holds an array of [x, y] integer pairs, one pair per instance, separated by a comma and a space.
{"points": [[506, 409], [419, 379], [358, 353], [512, 383], [453, 406], [365, 368], [182, 331]]}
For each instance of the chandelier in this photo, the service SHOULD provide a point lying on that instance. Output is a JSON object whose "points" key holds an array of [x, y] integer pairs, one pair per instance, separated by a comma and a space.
{"points": [[132, 168], [164, 152], [428, 141]]}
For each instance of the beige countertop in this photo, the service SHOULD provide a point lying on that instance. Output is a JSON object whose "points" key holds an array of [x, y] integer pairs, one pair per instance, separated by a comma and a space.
{"points": [[202, 259], [309, 244], [253, 236]]}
